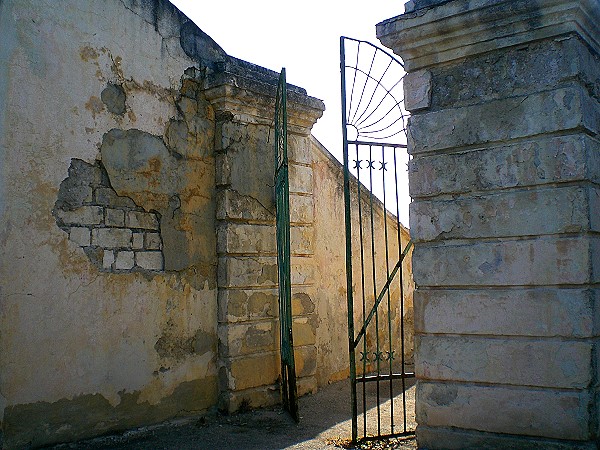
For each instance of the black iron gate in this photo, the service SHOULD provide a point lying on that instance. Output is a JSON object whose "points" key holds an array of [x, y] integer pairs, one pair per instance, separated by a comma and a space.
{"points": [[282, 194], [374, 137]]}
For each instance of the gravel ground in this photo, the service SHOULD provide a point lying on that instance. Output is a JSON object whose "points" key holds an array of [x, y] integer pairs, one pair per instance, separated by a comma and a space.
{"points": [[325, 425]]}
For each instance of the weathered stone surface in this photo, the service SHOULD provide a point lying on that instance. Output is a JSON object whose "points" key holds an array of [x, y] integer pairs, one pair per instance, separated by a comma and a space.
{"points": [[84, 215], [503, 214], [233, 205], [247, 338], [306, 360], [470, 439], [137, 241], [302, 303], [152, 241], [253, 371], [246, 238], [112, 237], [417, 90], [549, 261], [301, 209], [136, 219], [114, 218], [108, 259], [547, 312], [80, 235], [301, 179], [504, 361], [516, 117], [124, 260], [149, 260], [548, 413], [304, 329], [113, 96], [541, 161], [241, 305], [261, 271]]}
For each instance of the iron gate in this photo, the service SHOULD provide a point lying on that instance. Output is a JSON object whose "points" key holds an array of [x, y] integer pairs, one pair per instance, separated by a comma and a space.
{"points": [[374, 139], [289, 391]]}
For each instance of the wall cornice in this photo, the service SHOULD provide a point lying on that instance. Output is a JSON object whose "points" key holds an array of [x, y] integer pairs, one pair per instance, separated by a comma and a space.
{"points": [[462, 28]]}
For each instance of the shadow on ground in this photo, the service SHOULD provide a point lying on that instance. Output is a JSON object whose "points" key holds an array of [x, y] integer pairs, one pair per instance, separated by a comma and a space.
{"points": [[325, 424]]}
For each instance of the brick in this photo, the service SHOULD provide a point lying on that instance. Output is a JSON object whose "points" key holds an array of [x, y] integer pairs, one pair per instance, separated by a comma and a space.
{"points": [[80, 235], [563, 312], [548, 413], [525, 362], [547, 261], [84, 215], [546, 112], [149, 260], [112, 237], [152, 241], [541, 161], [138, 241], [108, 259], [124, 260], [136, 219], [114, 218], [504, 214]]}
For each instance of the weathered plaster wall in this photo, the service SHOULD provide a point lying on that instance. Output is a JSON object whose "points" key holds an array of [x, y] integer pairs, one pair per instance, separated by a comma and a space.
{"points": [[108, 268]]}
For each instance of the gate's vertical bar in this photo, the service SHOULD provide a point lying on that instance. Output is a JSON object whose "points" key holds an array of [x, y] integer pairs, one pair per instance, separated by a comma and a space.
{"points": [[389, 300], [348, 218], [374, 273], [364, 357], [400, 278]]}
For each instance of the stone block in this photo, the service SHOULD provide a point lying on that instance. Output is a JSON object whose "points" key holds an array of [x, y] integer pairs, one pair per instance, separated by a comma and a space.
{"points": [[455, 439], [547, 261], [261, 271], [233, 205], [417, 90], [504, 214], [237, 339], [246, 238], [299, 149], [511, 118], [144, 220], [545, 160], [304, 330], [114, 218], [252, 371], [138, 241], [302, 303], [306, 385], [301, 179], [152, 241], [301, 209], [124, 260], [112, 237], [523, 362], [302, 240], [80, 235], [306, 360], [149, 260], [520, 410], [84, 215], [255, 398], [240, 305], [565, 312], [108, 259]]}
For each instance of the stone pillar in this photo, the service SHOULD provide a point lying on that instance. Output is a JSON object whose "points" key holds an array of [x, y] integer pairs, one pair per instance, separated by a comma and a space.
{"points": [[243, 97], [505, 181]]}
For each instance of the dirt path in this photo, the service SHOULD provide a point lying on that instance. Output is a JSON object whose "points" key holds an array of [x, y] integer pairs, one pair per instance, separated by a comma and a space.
{"points": [[325, 425]]}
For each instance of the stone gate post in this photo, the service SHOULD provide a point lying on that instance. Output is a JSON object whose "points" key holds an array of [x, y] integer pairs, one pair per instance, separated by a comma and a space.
{"points": [[505, 181], [243, 97]]}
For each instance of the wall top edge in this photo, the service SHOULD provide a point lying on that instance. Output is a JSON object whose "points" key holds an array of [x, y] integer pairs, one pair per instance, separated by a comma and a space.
{"points": [[446, 30]]}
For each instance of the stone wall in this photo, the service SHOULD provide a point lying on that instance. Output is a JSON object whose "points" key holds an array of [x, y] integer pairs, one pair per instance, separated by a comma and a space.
{"points": [[137, 225], [505, 181]]}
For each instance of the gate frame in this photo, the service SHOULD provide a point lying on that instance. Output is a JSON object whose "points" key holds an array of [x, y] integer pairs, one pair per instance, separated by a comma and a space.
{"points": [[354, 341]]}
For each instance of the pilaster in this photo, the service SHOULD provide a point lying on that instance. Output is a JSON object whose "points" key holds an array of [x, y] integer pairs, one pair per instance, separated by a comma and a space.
{"points": [[243, 96], [505, 181]]}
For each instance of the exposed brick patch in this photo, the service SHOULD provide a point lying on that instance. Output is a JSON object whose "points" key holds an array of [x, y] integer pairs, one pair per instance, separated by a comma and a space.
{"points": [[116, 234]]}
